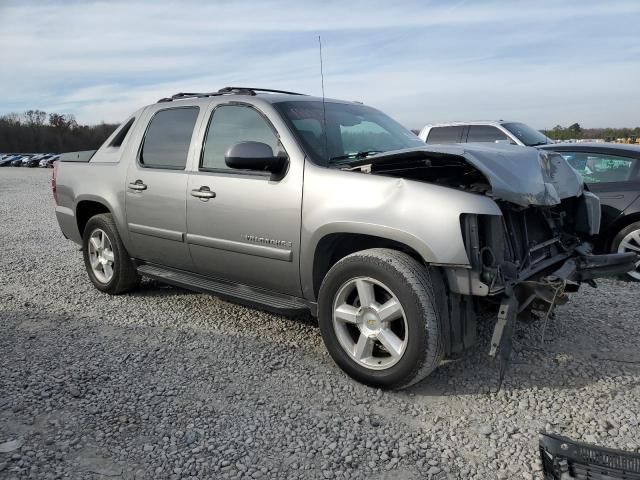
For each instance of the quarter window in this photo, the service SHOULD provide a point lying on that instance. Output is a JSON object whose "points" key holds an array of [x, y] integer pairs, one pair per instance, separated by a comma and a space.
{"points": [[485, 133], [166, 143], [445, 134], [231, 124], [122, 134], [601, 168]]}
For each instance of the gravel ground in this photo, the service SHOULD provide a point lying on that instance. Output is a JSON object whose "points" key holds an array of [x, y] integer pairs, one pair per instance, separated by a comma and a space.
{"points": [[165, 383]]}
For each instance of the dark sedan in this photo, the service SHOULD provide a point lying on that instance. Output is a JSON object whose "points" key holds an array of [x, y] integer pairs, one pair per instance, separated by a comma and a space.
{"points": [[612, 172], [6, 160], [32, 162]]}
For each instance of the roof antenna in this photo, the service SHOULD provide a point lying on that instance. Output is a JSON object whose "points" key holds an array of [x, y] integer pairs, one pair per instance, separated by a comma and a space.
{"points": [[324, 110]]}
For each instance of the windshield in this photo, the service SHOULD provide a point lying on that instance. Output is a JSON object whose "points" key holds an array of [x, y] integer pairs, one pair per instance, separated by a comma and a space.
{"points": [[352, 131], [526, 134]]}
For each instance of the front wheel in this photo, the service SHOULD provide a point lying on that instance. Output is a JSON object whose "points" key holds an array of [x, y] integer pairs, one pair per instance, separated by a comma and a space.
{"points": [[628, 240], [105, 257], [379, 317]]}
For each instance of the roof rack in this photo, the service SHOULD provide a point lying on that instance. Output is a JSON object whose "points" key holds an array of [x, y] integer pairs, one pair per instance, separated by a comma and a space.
{"points": [[225, 91]]}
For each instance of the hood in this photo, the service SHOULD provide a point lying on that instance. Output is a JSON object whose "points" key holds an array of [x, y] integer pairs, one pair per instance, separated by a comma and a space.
{"points": [[521, 175]]}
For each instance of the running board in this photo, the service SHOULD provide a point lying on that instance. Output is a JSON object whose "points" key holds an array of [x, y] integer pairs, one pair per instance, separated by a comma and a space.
{"points": [[246, 295]]}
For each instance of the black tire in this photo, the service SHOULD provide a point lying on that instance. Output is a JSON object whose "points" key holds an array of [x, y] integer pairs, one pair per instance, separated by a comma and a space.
{"points": [[617, 240], [415, 287], [125, 276]]}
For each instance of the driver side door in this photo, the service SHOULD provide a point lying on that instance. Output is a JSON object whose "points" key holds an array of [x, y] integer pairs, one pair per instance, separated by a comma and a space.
{"points": [[242, 225]]}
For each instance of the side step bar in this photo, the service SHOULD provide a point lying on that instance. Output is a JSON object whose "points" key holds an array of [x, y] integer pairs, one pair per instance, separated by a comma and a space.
{"points": [[246, 295]]}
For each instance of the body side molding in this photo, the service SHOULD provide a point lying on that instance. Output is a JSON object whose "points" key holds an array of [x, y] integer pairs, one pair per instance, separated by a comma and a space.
{"points": [[284, 254]]}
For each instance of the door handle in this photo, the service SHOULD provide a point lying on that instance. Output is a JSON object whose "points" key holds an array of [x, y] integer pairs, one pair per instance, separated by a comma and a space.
{"points": [[203, 193], [137, 185]]}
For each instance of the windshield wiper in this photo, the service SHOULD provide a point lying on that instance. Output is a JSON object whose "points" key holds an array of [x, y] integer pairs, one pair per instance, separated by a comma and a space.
{"points": [[354, 156]]}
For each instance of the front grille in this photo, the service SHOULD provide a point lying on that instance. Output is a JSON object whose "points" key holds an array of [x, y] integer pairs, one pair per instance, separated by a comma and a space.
{"points": [[610, 460], [563, 458], [521, 243]]}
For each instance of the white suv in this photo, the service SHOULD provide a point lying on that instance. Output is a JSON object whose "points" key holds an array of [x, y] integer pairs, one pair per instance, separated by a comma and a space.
{"points": [[490, 131]]}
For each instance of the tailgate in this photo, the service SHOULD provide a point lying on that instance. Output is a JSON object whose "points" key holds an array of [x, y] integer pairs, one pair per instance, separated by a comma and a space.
{"points": [[83, 156]]}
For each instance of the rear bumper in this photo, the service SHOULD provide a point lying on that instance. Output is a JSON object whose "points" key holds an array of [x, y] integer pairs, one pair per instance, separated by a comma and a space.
{"points": [[565, 459], [68, 224]]}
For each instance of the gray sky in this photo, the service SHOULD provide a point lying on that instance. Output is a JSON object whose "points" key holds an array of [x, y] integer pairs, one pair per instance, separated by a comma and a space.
{"points": [[541, 62]]}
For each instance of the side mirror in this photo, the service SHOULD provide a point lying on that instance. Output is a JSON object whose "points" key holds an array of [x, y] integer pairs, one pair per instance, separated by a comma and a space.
{"points": [[254, 156]]}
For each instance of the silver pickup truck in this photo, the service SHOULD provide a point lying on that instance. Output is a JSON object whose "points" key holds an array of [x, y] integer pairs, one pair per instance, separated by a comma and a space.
{"points": [[298, 204]]}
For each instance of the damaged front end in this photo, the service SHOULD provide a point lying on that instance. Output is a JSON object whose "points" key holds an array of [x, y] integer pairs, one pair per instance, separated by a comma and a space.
{"points": [[530, 258], [527, 258], [547, 215]]}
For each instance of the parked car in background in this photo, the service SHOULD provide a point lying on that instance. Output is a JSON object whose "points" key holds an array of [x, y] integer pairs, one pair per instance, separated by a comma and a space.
{"points": [[7, 160], [17, 162], [395, 247], [33, 161], [26, 158], [48, 161], [44, 161], [612, 171], [487, 131]]}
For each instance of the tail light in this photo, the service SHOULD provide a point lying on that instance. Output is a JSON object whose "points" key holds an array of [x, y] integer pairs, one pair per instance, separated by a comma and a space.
{"points": [[53, 181]]}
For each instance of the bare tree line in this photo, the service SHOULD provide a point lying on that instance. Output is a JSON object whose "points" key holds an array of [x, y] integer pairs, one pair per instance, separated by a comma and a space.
{"points": [[35, 131]]}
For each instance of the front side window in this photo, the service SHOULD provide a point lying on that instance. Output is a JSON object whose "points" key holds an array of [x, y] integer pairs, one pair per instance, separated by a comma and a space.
{"points": [[166, 143], [485, 133], [337, 134], [231, 124], [601, 168], [445, 135]]}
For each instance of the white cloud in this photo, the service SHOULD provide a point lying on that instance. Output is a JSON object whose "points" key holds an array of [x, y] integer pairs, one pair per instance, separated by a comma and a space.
{"points": [[420, 61]]}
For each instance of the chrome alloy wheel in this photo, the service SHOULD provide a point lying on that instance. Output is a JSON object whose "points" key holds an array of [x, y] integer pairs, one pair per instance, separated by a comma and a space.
{"points": [[631, 243], [370, 323], [101, 256]]}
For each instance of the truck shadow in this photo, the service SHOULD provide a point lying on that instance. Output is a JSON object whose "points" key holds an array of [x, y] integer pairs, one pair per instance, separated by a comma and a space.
{"points": [[575, 351], [152, 288], [564, 355]]}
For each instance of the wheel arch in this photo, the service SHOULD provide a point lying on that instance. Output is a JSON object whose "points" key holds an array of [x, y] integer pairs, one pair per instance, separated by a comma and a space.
{"points": [[87, 208], [333, 247], [622, 222]]}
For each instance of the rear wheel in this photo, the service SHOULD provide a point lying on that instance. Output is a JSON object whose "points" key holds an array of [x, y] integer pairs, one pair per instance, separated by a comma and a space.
{"points": [[105, 257], [379, 318], [628, 240]]}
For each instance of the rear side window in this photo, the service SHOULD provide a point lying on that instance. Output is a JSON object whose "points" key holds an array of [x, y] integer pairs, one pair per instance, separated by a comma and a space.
{"points": [[122, 134], [445, 134], [166, 143], [600, 167], [485, 133], [233, 124]]}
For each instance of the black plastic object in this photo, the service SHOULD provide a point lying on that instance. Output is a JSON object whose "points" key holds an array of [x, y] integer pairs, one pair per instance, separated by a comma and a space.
{"points": [[565, 459], [254, 156], [225, 91]]}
